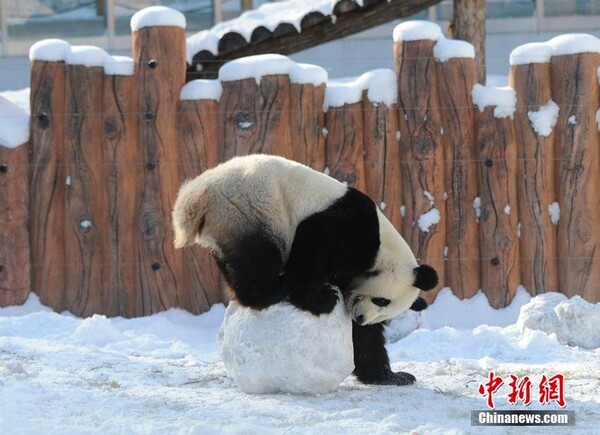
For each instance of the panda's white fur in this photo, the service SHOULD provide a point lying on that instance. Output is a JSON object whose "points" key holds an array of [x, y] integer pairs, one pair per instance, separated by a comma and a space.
{"points": [[228, 201]]}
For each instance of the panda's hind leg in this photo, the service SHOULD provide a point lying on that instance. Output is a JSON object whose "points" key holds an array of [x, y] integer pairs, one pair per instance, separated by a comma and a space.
{"points": [[251, 264], [371, 361]]}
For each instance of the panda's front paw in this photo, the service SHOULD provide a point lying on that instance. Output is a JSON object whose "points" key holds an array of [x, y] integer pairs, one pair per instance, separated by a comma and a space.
{"points": [[398, 378], [321, 301]]}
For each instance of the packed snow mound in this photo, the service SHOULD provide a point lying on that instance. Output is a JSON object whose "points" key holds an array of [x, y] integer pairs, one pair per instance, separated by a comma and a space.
{"points": [[575, 321], [284, 349]]}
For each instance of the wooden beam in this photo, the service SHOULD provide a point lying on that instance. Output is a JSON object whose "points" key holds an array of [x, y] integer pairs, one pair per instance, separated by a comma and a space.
{"points": [[315, 31]]}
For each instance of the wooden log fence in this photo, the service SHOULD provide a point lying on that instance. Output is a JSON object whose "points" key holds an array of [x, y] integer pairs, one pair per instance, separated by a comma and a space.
{"points": [[479, 186]]}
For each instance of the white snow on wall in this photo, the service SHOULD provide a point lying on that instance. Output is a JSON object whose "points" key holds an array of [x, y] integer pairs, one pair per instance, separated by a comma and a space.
{"points": [[446, 49], [598, 118], [157, 16], [503, 99], [534, 52], [544, 120], [201, 90], [119, 66], [507, 209], [380, 84], [87, 55], [14, 124], [572, 120], [426, 220], [262, 65], [554, 210], [49, 50], [417, 30], [574, 43], [261, 349], [477, 207]]}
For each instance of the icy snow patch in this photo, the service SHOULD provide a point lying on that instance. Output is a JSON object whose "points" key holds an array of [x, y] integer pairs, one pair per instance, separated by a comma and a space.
{"points": [[504, 99], [507, 209], [201, 90], [446, 49], [417, 30], [261, 349], [119, 66], [534, 52], [49, 50], [157, 16], [598, 117], [477, 207], [575, 321], [544, 120], [14, 124], [572, 120], [380, 84], [426, 220], [554, 210]]}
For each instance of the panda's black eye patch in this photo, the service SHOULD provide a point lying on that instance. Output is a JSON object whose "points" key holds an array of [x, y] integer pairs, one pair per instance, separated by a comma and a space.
{"points": [[381, 302]]}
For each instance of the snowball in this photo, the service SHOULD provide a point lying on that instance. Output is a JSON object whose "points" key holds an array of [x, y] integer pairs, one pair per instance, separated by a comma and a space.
{"points": [[507, 209], [49, 50], [87, 55], [574, 43], [477, 207], [504, 99], [575, 321], [97, 330], [380, 84], [157, 16], [201, 90], [572, 120], [417, 30], [554, 210], [426, 220], [119, 66], [446, 49], [544, 120], [284, 349], [14, 124], [535, 52]]}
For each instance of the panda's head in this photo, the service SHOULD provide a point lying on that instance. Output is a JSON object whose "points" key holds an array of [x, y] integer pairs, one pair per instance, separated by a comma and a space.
{"points": [[392, 284], [381, 294]]}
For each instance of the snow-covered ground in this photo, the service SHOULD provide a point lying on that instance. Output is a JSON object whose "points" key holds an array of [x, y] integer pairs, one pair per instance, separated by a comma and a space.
{"points": [[163, 374]]}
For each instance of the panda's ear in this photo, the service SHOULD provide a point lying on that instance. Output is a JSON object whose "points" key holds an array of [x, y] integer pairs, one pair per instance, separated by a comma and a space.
{"points": [[426, 277], [419, 304]]}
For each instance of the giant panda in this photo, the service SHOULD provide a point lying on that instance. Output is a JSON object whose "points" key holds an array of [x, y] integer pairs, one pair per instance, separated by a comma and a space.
{"points": [[281, 231]]}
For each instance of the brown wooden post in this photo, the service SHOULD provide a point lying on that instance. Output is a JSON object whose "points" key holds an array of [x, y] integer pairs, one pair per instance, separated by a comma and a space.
{"points": [[87, 223], [48, 183], [122, 150], [255, 118], [344, 146], [499, 215], [536, 193], [422, 153], [198, 143], [307, 121], [456, 77], [15, 254], [382, 154], [159, 53], [577, 148]]}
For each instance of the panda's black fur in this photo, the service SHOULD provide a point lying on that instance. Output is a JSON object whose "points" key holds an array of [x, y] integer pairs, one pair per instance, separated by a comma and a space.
{"points": [[335, 246]]}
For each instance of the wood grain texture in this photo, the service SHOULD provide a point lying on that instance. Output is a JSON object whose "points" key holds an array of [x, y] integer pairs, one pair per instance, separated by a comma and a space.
{"points": [[382, 158], [468, 24], [498, 224], [535, 180], [456, 78], [255, 118], [87, 230], [198, 142], [344, 146], [15, 254], [122, 152], [159, 53], [48, 183], [422, 153], [307, 121], [575, 89]]}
